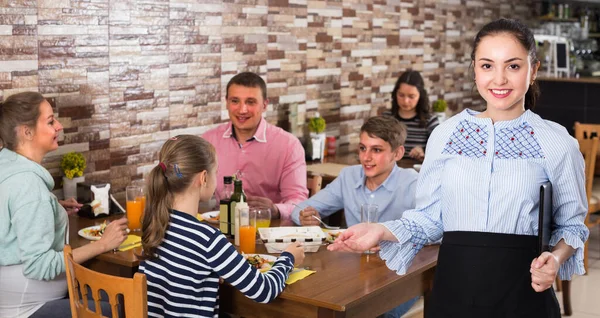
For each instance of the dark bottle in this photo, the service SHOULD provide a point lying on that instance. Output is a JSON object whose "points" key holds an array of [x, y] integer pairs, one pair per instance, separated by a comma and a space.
{"points": [[224, 213], [236, 197]]}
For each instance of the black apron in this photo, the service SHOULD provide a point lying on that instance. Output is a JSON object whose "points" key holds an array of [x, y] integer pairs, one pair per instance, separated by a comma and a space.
{"points": [[484, 275]]}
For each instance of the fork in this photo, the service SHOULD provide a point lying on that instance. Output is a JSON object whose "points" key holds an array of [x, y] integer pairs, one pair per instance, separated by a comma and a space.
{"points": [[329, 227], [319, 219]]}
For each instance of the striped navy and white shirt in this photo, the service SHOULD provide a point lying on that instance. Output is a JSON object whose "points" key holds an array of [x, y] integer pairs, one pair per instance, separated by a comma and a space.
{"points": [[184, 280], [417, 136], [485, 177]]}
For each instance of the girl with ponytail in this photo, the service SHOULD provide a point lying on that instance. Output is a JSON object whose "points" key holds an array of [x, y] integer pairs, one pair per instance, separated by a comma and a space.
{"points": [[183, 258]]}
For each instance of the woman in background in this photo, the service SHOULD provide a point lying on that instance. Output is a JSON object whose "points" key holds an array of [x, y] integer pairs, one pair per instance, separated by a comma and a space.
{"points": [[410, 105], [33, 224]]}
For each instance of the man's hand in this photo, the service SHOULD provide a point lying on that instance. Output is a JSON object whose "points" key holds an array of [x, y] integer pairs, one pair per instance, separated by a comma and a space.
{"points": [[306, 216], [263, 203], [71, 205]]}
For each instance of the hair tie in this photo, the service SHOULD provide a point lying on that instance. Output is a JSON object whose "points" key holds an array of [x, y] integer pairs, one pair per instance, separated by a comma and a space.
{"points": [[163, 167]]}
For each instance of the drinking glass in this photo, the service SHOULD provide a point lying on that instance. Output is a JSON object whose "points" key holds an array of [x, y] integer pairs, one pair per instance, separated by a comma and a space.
{"points": [[135, 206], [263, 217], [247, 231], [142, 184], [368, 214]]}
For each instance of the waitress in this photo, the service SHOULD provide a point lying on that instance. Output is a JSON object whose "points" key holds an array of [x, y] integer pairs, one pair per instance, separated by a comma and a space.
{"points": [[479, 191]]}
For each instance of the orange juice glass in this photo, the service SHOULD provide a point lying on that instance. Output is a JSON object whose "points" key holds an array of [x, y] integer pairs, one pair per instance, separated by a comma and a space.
{"points": [[135, 207], [248, 239]]}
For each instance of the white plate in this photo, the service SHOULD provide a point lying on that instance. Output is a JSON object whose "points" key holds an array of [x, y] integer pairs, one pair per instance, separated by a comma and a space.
{"points": [[268, 258], [207, 216], [86, 235]]}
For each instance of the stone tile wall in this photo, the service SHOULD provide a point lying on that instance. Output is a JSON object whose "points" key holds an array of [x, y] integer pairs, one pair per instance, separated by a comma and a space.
{"points": [[125, 75]]}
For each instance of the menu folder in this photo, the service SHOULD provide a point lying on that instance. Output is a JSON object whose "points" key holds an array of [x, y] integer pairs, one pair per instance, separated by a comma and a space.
{"points": [[545, 218]]}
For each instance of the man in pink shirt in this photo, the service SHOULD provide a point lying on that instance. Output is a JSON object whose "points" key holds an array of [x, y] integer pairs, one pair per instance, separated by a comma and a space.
{"points": [[269, 160]]}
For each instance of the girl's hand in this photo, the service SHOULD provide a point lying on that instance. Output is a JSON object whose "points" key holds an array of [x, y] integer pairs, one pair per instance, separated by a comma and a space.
{"points": [[543, 271], [359, 238], [114, 234], [297, 250]]}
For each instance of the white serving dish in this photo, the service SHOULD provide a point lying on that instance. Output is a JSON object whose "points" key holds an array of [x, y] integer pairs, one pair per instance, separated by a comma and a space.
{"points": [[277, 239]]}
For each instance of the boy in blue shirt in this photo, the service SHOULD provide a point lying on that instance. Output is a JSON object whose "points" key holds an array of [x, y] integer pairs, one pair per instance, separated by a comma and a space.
{"points": [[377, 180]]}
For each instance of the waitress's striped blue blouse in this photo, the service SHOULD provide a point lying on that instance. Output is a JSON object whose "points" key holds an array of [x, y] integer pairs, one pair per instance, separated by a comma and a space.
{"points": [[485, 177]]}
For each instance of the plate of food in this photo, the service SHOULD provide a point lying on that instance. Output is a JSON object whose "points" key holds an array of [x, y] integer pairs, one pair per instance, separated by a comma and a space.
{"points": [[262, 262], [331, 235], [93, 233], [211, 217]]}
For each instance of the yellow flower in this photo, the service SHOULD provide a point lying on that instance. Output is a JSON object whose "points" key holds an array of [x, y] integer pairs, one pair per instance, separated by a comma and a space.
{"points": [[73, 164]]}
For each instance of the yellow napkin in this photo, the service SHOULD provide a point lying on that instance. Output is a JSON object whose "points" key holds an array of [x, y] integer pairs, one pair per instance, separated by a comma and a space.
{"points": [[298, 274], [130, 242], [199, 217]]}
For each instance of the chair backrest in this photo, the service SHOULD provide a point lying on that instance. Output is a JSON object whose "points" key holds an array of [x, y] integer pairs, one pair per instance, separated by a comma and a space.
{"points": [[589, 149], [313, 183], [586, 131], [79, 278]]}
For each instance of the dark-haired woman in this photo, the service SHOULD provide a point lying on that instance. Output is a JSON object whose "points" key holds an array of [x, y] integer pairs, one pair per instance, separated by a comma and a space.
{"points": [[410, 105], [185, 258], [33, 225], [479, 191]]}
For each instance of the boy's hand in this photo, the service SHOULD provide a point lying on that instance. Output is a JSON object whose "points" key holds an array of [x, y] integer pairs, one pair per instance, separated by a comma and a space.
{"points": [[306, 216]]}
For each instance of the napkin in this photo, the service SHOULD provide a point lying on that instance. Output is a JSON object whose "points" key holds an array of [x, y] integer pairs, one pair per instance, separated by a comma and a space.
{"points": [[130, 242], [199, 217], [298, 274]]}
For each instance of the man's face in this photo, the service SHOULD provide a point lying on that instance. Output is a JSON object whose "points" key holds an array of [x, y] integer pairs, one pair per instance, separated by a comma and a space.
{"points": [[245, 106]]}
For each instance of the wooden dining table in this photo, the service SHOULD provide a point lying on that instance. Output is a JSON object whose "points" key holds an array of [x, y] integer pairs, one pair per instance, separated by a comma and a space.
{"points": [[344, 284]]}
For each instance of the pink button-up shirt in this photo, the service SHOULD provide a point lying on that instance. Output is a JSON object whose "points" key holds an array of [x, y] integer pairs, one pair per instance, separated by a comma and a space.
{"points": [[270, 165]]}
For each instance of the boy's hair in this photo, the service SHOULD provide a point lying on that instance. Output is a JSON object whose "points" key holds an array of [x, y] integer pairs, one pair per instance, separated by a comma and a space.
{"points": [[181, 158], [387, 128], [248, 79]]}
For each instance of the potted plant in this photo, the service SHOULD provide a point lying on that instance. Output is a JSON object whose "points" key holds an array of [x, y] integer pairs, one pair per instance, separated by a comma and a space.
{"points": [[316, 127], [72, 165], [439, 108]]}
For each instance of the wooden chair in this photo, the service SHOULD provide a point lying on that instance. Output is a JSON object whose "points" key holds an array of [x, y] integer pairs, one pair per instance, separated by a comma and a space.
{"points": [[133, 290], [589, 148], [588, 137], [313, 183]]}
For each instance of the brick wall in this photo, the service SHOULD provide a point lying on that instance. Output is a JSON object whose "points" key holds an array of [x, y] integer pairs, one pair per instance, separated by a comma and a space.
{"points": [[125, 75]]}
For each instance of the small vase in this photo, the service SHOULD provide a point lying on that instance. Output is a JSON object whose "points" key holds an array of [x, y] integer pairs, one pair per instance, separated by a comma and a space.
{"points": [[441, 117], [317, 145], [70, 187]]}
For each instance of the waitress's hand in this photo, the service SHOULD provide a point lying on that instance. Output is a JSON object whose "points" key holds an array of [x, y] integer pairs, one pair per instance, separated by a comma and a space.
{"points": [[543, 271], [359, 238]]}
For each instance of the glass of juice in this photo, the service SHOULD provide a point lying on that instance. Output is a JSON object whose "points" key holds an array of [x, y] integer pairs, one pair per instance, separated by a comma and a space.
{"points": [[142, 184], [263, 217], [247, 231], [135, 206]]}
